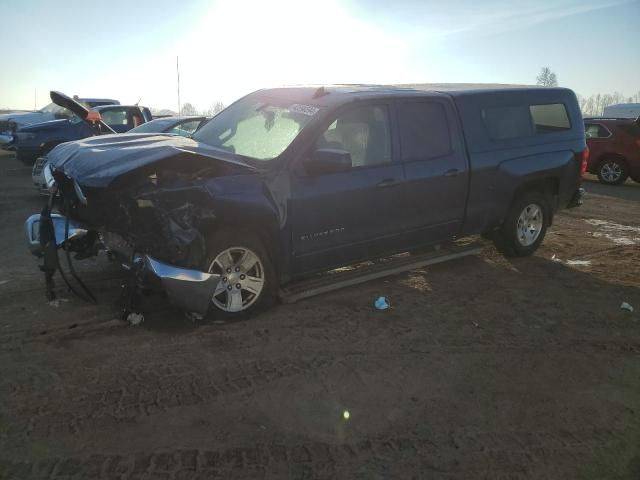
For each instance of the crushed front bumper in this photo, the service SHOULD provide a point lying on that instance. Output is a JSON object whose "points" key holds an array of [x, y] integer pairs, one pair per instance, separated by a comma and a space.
{"points": [[188, 289]]}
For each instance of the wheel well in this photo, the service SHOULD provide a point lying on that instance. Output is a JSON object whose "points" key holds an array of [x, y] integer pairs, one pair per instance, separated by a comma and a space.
{"points": [[548, 186], [262, 230]]}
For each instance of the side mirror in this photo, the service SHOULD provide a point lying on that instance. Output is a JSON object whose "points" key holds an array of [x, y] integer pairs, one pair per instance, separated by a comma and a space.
{"points": [[328, 160]]}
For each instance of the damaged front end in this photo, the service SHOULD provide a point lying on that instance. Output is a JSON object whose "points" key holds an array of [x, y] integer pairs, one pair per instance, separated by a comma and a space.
{"points": [[153, 219]]}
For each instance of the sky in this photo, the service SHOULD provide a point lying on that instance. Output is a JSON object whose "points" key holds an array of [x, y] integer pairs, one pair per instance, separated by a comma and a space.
{"points": [[226, 48]]}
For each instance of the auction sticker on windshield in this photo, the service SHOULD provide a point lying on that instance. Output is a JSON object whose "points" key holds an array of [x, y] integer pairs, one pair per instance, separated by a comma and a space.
{"points": [[303, 109]]}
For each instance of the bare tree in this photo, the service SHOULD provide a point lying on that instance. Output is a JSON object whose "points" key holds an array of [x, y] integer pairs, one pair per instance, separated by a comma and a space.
{"points": [[215, 108], [188, 109], [547, 78]]}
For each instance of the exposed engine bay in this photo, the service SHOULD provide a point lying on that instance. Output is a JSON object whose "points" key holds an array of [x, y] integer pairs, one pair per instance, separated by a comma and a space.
{"points": [[158, 210]]}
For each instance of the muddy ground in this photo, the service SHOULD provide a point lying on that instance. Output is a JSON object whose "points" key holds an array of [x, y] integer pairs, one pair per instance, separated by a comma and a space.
{"points": [[483, 368]]}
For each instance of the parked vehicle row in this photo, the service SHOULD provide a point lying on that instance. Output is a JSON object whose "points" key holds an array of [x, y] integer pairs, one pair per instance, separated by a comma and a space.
{"points": [[37, 140], [615, 149], [290, 181], [183, 126], [11, 122]]}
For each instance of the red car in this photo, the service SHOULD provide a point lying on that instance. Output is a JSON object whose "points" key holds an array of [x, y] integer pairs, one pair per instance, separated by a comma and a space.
{"points": [[614, 144]]}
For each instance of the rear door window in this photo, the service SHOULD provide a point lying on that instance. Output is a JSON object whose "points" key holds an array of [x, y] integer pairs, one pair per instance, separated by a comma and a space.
{"points": [[424, 130]]}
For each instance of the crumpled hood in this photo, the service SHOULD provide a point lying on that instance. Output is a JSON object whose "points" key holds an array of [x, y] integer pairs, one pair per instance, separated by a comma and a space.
{"points": [[26, 118], [97, 161]]}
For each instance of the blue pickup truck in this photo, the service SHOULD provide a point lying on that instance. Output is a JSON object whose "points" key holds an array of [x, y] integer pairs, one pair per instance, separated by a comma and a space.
{"points": [[290, 181], [33, 141], [10, 122]]}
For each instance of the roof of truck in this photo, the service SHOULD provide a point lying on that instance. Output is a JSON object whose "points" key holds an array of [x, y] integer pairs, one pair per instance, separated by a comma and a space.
{"points": [[336, 94]]}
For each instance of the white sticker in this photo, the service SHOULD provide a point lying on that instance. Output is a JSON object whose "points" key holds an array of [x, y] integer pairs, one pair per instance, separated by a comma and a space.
{"points": [[303, 109]]}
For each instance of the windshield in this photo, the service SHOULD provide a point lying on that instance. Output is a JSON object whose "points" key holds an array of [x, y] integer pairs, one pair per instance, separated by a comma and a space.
{"points": [[260, 128], [154, 126], [55, 109]]}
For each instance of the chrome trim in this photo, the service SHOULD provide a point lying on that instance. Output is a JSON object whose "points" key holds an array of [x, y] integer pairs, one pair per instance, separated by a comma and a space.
{"points": [[188, 289], [49, 181], [32, 227]]}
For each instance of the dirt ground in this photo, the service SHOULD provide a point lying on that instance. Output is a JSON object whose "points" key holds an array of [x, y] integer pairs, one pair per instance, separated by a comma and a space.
{"points": [[484, 368]]}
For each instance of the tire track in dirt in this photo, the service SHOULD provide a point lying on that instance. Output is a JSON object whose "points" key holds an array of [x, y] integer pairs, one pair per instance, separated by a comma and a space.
{"points": [[141, 390], [451, 455]]}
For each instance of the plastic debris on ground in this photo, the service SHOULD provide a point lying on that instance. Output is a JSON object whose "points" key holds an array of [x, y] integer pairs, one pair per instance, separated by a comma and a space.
{"points": [[135, 319], [579, 263], [555, 259], [626, 306], [193, 316], [381, 303]]}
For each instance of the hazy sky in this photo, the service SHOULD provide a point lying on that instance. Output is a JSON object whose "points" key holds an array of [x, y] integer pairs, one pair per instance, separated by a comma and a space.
{"points": [[127, 49]]}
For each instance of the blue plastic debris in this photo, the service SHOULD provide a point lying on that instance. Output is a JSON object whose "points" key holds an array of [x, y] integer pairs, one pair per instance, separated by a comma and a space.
{"points": [[381, 303]]}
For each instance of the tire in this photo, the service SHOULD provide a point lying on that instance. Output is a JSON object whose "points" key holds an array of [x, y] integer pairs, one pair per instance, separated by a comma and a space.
{"points": [[524, 226], [27, 159], [233, 274], [612, 171]]}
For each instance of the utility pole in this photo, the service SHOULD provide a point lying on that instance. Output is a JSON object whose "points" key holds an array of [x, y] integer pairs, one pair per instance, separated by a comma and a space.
{"points": [[178, 72]]}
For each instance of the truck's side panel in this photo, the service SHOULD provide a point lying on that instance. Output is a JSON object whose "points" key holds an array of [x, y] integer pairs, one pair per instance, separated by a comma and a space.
{"points": [[501, 168]]}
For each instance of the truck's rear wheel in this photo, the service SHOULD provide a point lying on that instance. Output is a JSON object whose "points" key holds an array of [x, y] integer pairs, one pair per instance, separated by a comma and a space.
{"points": [[525, 225], [247, 278]]}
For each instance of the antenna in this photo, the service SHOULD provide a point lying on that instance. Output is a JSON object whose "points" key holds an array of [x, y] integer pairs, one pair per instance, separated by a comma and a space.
{"points": [[35, 99], [178, 72], [138, 102]]}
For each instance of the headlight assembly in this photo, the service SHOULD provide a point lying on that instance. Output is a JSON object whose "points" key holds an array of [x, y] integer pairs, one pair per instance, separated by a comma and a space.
{"points": [[49, 181]]}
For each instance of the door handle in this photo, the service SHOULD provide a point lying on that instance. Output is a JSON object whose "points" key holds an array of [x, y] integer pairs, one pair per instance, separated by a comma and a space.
{"points": [[388, 182], [454, 172]]}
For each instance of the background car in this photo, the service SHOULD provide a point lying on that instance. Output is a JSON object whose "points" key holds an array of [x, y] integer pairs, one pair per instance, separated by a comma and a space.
{"points": [[37, 140], [184, 126], [614, 144], [10, 122]]}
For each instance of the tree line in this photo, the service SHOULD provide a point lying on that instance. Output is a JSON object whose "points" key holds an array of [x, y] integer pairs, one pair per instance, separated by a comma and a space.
{"points": [[594, 105], [188, 109]]}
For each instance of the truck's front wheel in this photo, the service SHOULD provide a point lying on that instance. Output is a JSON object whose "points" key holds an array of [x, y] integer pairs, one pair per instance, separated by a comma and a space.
{"points": [[525, 225], [247, 278]]}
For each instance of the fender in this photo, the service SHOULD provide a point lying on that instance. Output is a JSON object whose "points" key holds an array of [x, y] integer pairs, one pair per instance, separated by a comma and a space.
{"points": [[556, 170]]}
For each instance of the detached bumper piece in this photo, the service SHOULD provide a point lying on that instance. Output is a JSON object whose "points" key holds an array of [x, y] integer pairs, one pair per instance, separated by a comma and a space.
{"points": [[577, 199], [189, 290], [32, 226]]}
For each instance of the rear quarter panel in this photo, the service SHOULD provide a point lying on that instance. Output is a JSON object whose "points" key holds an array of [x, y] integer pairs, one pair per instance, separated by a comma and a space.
{"points": [[500, 168], [497, 177]]}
